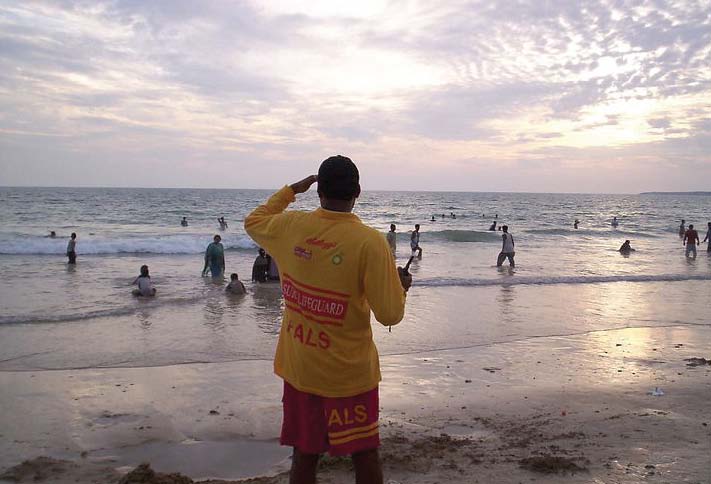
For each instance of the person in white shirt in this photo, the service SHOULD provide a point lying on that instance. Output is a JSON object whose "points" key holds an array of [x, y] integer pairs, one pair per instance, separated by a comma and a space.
{"points": [[71, 249], [415, 241], [507, 249], [145, 286]]}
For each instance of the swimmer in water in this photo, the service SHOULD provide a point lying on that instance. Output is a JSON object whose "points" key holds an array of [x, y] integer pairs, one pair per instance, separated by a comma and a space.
{"points": [[214, 258], [575, 224], [625, 248], [260, 267], [392, 239], [235, 286], [691, 240], [507, 248], [184, 222], [493, 227], [71, 249], [614, 222], [223, 224], [415, 242], [682, 228], [145, 286]]}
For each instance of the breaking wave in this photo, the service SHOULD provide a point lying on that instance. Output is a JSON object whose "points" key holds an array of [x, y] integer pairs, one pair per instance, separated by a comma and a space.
{"points": [[157, 244], [463, 236], [548, 280], [592, 233]]}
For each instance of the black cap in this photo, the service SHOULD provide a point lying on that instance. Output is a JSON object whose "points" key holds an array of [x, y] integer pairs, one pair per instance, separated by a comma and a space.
{"points": [[338, 178]]}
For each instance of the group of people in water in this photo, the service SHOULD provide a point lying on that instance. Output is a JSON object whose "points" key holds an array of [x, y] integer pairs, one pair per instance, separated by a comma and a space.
{"points": [[265, 269], [220, 220], [507, 249], [689, 235]]}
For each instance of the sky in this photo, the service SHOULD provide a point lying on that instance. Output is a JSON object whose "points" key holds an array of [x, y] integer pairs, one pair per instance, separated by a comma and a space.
{"points": [[493, 95]]}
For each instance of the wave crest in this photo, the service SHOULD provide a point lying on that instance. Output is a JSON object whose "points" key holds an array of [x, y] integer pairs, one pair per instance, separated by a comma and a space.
{"points": [[463, 236], [548, 280], [157, 244]]}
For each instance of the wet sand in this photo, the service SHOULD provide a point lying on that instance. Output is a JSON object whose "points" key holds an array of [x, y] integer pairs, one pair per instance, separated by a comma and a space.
{"points": [[552, 409]]}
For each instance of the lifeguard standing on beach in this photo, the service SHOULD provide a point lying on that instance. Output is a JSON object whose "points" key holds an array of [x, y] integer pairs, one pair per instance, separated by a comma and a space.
{"points": [[334, 271]]}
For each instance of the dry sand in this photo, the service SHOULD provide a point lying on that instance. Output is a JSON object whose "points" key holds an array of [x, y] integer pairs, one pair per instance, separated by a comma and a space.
{"points": [[557, 409]]}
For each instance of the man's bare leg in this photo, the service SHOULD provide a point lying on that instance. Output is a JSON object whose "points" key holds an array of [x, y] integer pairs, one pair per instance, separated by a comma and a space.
{"points": [[303, 468], [367, 467]]}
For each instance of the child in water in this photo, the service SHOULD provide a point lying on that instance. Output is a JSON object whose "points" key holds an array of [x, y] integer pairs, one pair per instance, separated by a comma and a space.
{"points": [[235, 286], [145, 286], [626, 248]]}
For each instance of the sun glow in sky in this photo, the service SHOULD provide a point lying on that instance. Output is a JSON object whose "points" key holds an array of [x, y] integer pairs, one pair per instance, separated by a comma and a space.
{"points": [[596, 96]]}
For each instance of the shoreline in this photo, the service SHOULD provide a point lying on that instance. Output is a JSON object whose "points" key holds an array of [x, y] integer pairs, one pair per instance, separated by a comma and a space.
{"points": [[508, 412]]}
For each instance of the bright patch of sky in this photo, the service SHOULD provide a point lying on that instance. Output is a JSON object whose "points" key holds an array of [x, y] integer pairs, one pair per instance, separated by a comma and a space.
{"points": [[601, 96]]}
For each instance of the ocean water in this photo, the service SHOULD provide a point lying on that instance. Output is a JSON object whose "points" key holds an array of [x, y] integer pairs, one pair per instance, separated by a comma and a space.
{"points": [[566, 281]]}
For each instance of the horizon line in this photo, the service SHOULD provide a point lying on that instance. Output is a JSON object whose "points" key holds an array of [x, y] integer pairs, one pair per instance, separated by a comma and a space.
{"points": [[368, 190], [660, 192]]}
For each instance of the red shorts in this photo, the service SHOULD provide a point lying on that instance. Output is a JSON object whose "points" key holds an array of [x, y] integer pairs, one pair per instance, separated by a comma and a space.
{"points": [[339, 426]]}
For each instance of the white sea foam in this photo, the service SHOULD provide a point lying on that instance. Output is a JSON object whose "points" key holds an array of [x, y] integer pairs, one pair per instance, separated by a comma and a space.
{"points": [[547, 280], [146, 244]]}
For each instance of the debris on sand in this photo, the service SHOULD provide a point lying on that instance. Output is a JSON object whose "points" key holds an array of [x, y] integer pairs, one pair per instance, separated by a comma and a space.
{"points": [[39, 469], [697, 362], [143, 474], [550, 464]]}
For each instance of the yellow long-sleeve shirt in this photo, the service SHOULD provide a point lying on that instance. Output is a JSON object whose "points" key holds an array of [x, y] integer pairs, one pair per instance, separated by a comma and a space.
{"points": [[334, 270]]}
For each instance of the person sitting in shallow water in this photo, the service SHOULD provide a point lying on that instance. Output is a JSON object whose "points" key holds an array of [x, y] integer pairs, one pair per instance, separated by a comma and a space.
{"points": [[145, 286], [235, 286], [626, 248]]}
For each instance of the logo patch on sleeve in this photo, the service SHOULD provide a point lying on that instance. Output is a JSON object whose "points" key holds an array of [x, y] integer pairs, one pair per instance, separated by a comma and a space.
{"points": [[303, 253]]}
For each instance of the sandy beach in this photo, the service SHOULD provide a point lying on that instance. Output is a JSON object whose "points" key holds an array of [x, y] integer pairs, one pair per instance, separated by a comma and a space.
{"points": [[576, 408]]}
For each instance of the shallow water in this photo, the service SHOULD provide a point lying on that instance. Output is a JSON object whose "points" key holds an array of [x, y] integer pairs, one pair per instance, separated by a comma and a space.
{"points": [[566, 281]]}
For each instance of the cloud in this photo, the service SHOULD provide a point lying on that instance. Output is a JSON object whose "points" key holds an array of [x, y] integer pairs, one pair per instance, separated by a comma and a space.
{"points": [[462, 85]]}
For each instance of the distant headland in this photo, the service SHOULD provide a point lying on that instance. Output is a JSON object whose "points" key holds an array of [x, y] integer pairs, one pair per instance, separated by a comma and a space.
{"points": [[676, 193]]}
